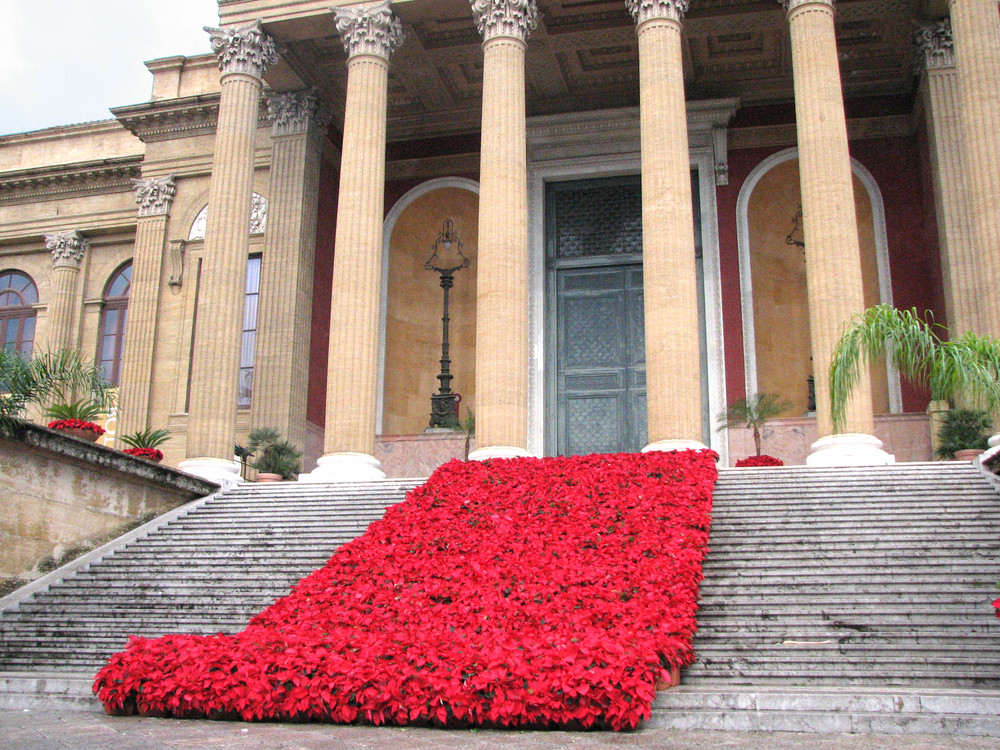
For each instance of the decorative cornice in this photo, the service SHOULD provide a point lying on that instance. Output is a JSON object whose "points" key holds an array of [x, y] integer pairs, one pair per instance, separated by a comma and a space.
{"points": [[647, 10], [154, 195], [67, 248], [505, 18], [176, 118], [85, 178], [790, 5], [934, 45], [244, 49], [369, 30], [292, 113]]}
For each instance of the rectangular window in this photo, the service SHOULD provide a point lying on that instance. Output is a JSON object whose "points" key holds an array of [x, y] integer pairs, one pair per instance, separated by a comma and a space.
{"points": [[249, 345]]}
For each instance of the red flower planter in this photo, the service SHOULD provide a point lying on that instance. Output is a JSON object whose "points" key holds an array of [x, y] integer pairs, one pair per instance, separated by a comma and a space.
{"points": [[759, 461], [78, 428], [150, 454]]}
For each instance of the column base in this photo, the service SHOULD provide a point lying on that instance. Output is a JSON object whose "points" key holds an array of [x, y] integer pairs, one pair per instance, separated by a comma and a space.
{"points": [[675, 445], [994, 443], [849, 449], [498, 451], [224, 473], [344, 467]]}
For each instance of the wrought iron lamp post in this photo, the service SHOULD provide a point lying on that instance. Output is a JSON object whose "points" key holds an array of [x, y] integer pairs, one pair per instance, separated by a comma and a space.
{"points": [[446, 259]]}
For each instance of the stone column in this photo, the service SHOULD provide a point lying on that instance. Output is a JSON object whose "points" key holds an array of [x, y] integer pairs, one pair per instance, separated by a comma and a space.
{"points": [[502, 333], [833, 254], [670, 292], [976, 28], [281, 363], [939, 88], [154, 196], [369, 33], [244, 53], [68, 249]]}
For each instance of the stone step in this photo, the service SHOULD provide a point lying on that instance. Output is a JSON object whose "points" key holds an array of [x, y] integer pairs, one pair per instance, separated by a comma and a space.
{"points": [[20, 691]]}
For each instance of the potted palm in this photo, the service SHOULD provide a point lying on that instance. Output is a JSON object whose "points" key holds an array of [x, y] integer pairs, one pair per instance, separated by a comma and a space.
{"points": [[754, 412], [145, 444], [77, 419], [274, 458], [963, 434]]}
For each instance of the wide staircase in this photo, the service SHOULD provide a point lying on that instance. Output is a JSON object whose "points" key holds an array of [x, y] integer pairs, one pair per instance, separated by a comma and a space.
{"points": [[207, 567], [848, 600], [837, 600]]}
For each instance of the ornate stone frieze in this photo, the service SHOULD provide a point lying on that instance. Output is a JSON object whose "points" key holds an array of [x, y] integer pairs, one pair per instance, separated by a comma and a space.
{"points": [[154, 195], [790, 5], [67, 248], [54, 183], [645, 10], [510, 18], [292, 113], [934, 45], [369, 30], [245, 49]]}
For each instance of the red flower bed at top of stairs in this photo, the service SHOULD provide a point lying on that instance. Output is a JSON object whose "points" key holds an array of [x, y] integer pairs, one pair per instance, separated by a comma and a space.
{"points": [[508, 592]]}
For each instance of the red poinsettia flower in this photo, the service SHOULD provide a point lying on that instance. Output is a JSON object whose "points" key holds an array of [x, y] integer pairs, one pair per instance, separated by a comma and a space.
{"points": [[996, 606], [76, 424], [151, 454], [762, 460], [508, 592]]}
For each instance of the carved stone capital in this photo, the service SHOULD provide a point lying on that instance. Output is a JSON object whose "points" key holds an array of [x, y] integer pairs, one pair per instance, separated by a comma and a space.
{"points": [[246, 49], [369, 30], [292, 113], [154, 195], [934, 45], [790, 5], [67, 248], [505, 18], [646, 10]]}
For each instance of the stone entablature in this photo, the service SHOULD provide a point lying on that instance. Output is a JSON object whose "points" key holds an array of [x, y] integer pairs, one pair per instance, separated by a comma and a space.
{"points": [[167, 120], [86, 178]]}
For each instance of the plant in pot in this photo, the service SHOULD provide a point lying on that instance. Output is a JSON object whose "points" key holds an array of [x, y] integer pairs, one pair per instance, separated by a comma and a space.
{"points": [[274, 458], [964, 434], [754, 412], [145, 444], [76, 419]]}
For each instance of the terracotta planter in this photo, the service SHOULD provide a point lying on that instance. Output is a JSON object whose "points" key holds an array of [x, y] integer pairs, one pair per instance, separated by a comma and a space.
{"points": [[263, 476], [80, 434], [967, 454], [674, 681]]}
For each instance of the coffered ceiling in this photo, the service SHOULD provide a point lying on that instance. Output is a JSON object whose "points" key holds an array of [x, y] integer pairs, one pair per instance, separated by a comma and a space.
{"points": [[584, 56]]}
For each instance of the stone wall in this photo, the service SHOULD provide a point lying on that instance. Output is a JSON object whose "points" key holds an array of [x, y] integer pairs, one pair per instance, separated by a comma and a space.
{"points": [[59, 492]]}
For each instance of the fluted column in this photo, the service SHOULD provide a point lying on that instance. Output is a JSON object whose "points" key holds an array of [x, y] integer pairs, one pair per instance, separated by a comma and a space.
{"points": [[502, 288], [976, 28], [833, 253], [369, 33], [670, 292], [954, 216], [154, 196], [68, 249], [244, 53], [281, 363]]}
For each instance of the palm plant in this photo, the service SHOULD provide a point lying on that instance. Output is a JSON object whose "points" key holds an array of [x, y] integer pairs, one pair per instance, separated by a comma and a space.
{"points": [[274, 455], [146, 438], [753, 412], [85, 409], [967, 367], [43, 378]]}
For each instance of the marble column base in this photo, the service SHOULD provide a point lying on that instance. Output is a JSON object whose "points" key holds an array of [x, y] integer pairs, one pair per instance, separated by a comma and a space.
{"points": [[849, 449], [497, 451], [224, 473], [344, 467], [675, 445]]}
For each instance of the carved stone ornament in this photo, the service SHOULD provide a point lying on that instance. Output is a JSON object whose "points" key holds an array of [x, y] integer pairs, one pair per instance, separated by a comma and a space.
{"points": [[154, 195], [67, 248], [247, 49], [293, 112], [934, 42], [790, 5], [369, 30], [645, 10], [505, 18]]}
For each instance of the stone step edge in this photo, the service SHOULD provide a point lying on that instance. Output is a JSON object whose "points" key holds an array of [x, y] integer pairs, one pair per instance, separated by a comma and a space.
{"points": [[59, 691]]}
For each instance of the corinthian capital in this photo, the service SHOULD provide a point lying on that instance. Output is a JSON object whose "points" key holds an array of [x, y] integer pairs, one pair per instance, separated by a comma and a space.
{"points": [[644, 10], [790, 5], [246, 49], [154, 195], [369, 30], [511, 18], [67, 248], [293, 112], [935, 45]]}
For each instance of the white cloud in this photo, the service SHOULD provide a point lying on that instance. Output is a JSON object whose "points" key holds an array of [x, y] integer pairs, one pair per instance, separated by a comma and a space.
{"points": [[68, 61]]}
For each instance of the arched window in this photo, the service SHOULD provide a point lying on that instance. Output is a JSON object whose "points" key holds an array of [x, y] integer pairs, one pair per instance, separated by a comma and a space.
{"points": [[17, 316], [113, 315]]}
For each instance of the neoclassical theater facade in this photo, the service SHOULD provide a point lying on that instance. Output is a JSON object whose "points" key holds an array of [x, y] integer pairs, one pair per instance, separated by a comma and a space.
{"points": [[645, 209]]}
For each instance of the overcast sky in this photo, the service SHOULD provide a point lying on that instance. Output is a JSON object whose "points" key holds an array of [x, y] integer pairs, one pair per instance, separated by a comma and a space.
{"points": [[68, 61]]}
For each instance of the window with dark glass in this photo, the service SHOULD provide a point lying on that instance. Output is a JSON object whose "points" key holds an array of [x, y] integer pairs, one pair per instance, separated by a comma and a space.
{"points": [[249, 330], [18, 295], [111, 341]]}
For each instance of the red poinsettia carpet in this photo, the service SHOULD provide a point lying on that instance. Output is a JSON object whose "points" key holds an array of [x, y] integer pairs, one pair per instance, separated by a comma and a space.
{"points": [[510, 592]]}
